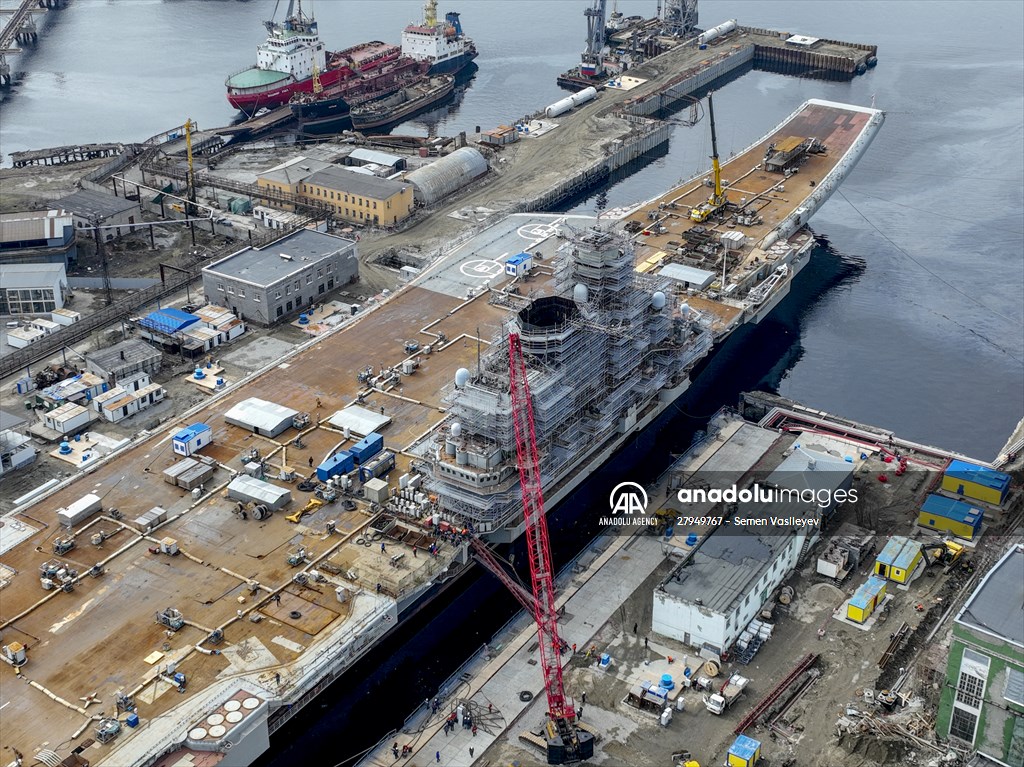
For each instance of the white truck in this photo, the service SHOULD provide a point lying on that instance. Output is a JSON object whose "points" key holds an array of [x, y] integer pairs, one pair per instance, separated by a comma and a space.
{"points": [[730, 692]]}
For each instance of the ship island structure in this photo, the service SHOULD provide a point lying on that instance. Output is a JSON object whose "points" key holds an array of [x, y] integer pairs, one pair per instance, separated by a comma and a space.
{"points": [[146, 620]]}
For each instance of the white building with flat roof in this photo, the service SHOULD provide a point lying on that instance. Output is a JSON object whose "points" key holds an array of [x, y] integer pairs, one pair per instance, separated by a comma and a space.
{"points": [[32, 288]]}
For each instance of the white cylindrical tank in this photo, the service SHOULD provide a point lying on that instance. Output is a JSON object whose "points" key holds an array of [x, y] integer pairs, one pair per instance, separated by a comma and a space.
{"points": [[560, 107], [716, 32], [685, 310], [461, 457], [658, 301], [585, 95], [580, 294], [456, 429], [461, 377]]}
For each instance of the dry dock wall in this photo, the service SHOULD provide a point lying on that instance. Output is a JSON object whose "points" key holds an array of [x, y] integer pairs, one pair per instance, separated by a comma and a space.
{"points": [[647, 135]]}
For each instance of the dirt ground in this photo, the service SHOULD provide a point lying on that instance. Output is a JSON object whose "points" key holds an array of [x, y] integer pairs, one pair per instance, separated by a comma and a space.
{"points": [[35, 186], [806, 733]]}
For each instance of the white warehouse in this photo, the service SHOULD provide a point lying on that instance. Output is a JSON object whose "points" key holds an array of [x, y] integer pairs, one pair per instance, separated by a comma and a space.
{"points": [[708, 601]]}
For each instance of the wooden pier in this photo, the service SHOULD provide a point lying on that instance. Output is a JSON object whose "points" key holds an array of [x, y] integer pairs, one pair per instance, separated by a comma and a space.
{"points": [[62, 155]]}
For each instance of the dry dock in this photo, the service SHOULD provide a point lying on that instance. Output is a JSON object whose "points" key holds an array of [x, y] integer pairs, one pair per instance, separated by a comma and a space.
{"points": [[603, 600]]}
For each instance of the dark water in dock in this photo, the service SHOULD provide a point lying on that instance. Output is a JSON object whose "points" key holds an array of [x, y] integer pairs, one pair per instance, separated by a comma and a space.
{"points": [[909, 316]]}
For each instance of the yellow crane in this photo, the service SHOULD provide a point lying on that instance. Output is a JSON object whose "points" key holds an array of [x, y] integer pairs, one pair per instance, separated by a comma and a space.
{"points": [[718, 199], [317, 85], [190, 183]]}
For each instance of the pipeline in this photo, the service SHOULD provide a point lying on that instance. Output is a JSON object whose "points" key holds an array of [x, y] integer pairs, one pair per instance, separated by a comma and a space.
{"points": [[57, 698]]}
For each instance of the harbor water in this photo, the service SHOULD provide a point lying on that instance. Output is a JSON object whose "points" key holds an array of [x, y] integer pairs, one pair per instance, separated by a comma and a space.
{"points": [[909, 315]]}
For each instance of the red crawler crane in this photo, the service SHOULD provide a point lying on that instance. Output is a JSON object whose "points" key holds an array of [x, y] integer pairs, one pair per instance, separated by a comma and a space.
{"points": [[565, 744]]}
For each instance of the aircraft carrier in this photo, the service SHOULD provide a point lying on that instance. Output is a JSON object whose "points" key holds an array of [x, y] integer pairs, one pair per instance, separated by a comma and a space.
{"points": [[186, 626]]}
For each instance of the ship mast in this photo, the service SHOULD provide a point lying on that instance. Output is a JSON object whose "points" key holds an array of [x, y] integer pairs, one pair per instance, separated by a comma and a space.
{"points": [[430, 14]]}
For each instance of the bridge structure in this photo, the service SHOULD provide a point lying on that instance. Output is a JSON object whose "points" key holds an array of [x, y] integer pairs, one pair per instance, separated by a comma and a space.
{"points": [[20, 27]]}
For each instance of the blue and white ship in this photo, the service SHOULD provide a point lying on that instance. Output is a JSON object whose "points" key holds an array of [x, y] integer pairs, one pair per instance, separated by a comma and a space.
{"points": [[441, 43]]}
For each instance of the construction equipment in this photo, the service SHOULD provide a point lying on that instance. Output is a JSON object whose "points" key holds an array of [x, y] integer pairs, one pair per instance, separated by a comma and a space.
{"points": [[107, 730], [327, 493], [684, 759], [945, 552], [718, 198], [730, 692], [411, 347], [311, 505], [297, 557], [171, 618], [63, 545], [566, 743]]}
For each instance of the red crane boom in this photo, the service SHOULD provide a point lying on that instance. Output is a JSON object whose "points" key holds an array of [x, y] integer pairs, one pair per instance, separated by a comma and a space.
{"points": [[537, 541]]}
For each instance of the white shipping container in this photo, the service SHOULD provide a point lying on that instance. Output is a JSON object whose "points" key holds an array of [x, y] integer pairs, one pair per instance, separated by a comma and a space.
{"points": [[79, 510]]}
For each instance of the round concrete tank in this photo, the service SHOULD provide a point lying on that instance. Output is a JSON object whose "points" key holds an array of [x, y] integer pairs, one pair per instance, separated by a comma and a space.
{"points": [[461, 378], [461, 457], [456, 429], [715, 32], [560, 107], [446, 175], [658, 301], [449, 447], [580, 294], [585, 95]]}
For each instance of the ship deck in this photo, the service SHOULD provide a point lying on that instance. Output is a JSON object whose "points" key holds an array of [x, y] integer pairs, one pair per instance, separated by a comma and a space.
{"points": [[101, 638], [837, 126]]}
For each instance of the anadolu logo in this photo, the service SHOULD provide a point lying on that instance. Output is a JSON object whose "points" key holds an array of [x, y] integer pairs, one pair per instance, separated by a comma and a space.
{"points": [[628, 498]]}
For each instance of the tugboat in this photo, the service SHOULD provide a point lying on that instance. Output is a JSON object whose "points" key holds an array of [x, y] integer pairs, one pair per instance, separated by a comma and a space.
{"points": [[442, 44], [404, 103], [292, 56]]}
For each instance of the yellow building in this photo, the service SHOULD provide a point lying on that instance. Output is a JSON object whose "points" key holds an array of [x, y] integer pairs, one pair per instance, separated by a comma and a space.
{"points": [[898, 559], [976, 482], [287, 177], [947, 515], [744, 752], [869, 596], [359, 198]]}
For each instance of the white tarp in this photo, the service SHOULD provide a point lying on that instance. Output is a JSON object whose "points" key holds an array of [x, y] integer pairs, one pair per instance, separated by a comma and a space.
{"points": [[246, 489], [359, 420], [266, 418]]}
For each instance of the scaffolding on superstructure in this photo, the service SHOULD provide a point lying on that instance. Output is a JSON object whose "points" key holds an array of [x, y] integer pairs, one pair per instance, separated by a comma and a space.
{"points": [[598, 352]]}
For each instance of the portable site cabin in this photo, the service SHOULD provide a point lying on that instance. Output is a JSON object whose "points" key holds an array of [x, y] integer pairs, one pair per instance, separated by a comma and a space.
{"points": [[976, 482], [864, 601], [192, 438], [949, 515], [898, 559]]}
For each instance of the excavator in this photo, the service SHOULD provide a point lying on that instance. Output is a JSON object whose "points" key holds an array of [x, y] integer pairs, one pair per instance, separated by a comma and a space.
{"points": [[945, 552]]}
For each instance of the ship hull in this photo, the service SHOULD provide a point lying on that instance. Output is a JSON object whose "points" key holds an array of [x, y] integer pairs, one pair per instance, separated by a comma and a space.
{"points": [[404, 111], [454, 65], [250, 100]]}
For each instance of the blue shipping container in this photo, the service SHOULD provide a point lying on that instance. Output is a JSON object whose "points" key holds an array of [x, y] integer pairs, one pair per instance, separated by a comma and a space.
{"points": [[367, 447], [340, 463]]}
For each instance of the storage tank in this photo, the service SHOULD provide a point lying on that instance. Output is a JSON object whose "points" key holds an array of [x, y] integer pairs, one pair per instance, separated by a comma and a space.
{"points": [[448, 174], [583, 96], [580, 293], [658, 301], [716, 32], [560, 107], [461, 378]]}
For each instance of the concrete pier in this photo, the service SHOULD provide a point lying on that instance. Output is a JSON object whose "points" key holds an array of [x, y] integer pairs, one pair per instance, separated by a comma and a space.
{"points": [[20, 27]]}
